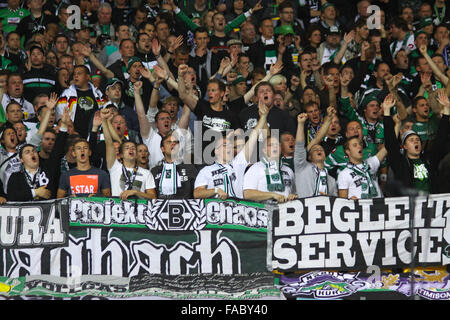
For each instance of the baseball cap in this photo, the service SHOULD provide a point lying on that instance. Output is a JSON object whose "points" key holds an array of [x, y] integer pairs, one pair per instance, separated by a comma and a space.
{"points": [[133, 60], [326, 5], [239, 79], [112, 82], [425, 22], [418, 32], [234, 41], [367, 99], [333, 30], [408, 133]]}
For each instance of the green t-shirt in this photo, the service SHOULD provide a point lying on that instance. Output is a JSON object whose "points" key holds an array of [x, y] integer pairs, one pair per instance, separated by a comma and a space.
{"points": [[426, 130], [11, 18], [421, 177]]}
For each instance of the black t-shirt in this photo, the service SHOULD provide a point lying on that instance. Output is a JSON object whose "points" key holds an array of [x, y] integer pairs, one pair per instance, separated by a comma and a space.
{"points": [[219, 121], [186, 174], [128, 93], [277, 119], [86, 107]]}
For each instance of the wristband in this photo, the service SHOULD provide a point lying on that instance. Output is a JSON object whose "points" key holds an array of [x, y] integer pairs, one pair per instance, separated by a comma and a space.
{"points": [[170, 52]]}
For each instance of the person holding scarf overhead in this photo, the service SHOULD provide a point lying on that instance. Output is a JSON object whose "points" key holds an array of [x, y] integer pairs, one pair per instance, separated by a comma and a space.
{"points": [[173, 178], [127, 178], [359, 179]]}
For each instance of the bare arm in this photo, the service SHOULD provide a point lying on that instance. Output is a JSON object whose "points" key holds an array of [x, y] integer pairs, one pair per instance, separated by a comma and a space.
{"points": [[184, 95], [110, 152], [348, 37], [143, 120], [331, 111], [434, 67], [51, 104], [274, 69], [183, 122], [87, 51]]}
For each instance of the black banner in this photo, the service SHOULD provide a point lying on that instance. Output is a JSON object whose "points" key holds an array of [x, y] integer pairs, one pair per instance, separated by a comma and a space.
{"points": [[335, 233], [34, 224]]}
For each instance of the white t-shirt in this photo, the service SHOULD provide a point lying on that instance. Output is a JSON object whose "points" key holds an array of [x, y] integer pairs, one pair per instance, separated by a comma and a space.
{"points": [[143, 181], [153, 143], [347, 179], [212, 176], [255, 179]]}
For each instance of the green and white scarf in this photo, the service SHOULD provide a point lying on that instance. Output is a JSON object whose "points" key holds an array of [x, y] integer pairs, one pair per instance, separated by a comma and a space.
{"points": [[321, 185], [270, 52], [274, 176], [227, 182], [368, 188], [169, 179]]}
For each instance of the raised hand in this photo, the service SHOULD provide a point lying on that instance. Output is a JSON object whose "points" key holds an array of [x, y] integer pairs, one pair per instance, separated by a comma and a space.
{"points": [[348, 37], [388, 102], [146, 73], [137, 86], [52, 101], [160, 72], [176, 44], [97, 121], [257, 6], [423, 49], [182, 69], [156, 46], [263, 110], [302, 117], [276, 68], [442, 98], [86, 50]]}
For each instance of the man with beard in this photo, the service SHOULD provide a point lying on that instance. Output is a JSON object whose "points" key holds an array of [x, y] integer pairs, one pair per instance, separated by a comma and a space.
{"points": [[32, 182], [175, 179], [414, 168], [83, 180], [311, 176], [329, 48], [128, 179]]}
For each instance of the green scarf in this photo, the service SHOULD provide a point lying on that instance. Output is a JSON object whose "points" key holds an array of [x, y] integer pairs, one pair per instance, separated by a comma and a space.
{"points": [[274, 176], [368, 188]]}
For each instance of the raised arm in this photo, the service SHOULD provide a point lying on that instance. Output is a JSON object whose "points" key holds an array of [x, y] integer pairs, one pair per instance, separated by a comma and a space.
{"points": [[434, 67], [106, 125], [348, 37], [51, 104], [393, 90], [250, 145], [274, 69], [144, 123], [183, 94], [331, 112], [87, 52]]}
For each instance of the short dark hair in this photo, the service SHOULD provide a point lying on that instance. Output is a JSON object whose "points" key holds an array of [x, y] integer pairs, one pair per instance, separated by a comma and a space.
{"points": [[416, 100], [122, 145], [220, 83], [264, 83], [23, 147]]}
